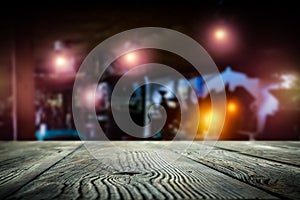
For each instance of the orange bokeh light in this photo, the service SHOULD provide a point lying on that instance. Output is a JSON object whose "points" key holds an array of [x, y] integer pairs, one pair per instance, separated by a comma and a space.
{"points": [[231, 107]]}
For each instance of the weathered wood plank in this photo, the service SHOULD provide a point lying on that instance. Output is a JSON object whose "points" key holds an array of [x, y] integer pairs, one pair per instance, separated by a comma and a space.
{"points": [[273, 152], [281, 179], [21, 162], [136, 173], [284, 144]]}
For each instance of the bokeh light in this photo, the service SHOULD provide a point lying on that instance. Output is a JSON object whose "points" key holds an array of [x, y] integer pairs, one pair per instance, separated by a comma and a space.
{"points": [[288, 80], [220, 34], [131, 58], [60, 61], [231, 107], [222, 39], [89, 98]]}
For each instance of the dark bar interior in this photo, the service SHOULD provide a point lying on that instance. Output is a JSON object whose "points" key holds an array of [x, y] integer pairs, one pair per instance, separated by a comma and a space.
{"points": [[42, 48], [150, 100]]}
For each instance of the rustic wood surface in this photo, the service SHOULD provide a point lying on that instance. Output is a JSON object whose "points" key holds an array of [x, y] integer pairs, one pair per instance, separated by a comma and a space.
{"points": [[21, 162], [269, 175], [150, 170]]}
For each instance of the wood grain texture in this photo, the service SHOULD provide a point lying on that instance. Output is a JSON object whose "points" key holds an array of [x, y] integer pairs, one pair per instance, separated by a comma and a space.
{"points": [[286, 153], [284, 144], [281, 179], [21, 162], [138, 172]]}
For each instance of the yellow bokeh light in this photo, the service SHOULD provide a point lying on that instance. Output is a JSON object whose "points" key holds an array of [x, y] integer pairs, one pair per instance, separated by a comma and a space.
{"points": [[209, 118], [231, 107]]}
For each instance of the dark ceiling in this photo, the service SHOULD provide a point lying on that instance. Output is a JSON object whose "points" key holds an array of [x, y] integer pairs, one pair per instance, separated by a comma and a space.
{"points": [[267, 30]]}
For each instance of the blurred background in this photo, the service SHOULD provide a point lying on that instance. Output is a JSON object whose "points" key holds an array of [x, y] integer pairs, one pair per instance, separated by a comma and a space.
{"points": [[255, 45]]}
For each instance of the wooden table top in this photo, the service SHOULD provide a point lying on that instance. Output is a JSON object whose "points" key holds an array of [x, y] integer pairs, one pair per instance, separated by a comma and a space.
{"points": [[231, 170]]}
